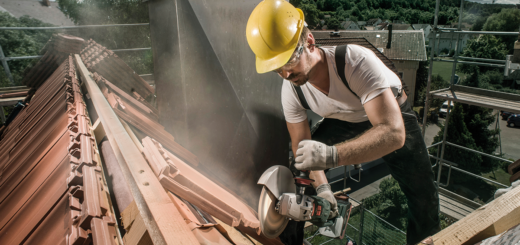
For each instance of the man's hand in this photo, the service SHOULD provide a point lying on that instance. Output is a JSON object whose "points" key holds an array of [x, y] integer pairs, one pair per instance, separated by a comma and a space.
{"points": [[325, 192], [314, 155]]}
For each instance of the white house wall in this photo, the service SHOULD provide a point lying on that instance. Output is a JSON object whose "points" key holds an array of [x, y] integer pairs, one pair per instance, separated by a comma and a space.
{"points": [[409, 74]]}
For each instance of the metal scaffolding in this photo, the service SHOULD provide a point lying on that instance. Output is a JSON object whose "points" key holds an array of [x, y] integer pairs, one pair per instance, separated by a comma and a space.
{"points": [[467, 95], [4, 59]]}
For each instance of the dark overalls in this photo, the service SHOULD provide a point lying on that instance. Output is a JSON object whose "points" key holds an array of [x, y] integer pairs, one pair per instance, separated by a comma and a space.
{"points": [[410, 166]]}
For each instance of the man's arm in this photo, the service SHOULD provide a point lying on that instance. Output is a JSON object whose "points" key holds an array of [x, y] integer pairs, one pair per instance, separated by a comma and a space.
{"points": [[298, 132], [386, 135]]}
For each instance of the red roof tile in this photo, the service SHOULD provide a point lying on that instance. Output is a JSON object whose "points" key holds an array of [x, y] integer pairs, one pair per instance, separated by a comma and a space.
{"points": [[51, 189]]}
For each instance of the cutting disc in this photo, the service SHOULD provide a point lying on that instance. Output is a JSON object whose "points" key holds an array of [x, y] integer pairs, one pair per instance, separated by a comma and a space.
{"points": [[271, 222]]}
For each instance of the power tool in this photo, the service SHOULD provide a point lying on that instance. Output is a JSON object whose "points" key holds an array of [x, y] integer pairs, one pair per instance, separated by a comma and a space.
{"points": [[283, 199]]}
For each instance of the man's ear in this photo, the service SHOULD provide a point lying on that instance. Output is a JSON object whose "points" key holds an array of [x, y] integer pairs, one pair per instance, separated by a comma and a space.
{"points": [[311, 42]]}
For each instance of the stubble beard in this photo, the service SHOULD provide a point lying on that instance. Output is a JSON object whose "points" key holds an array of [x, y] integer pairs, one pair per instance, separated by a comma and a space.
{"points": [[303, 77]]}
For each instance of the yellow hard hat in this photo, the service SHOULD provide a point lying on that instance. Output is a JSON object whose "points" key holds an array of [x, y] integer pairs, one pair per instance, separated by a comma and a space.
{"points": [[272, 31]]}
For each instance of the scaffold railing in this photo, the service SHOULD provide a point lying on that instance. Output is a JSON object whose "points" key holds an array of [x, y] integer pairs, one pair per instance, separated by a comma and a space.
{"points": [[4, 59]]}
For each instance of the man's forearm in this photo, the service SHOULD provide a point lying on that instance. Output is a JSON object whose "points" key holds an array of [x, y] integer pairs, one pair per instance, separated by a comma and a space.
{"points": [[371, 145]]}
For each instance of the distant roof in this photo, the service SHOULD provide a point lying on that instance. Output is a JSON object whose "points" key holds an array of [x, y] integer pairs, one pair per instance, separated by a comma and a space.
{"points": [[35, 9], [406, 45], [445, 35], [420, 26], [400, 27], [372, 21], [361, 42], [348, 23]]}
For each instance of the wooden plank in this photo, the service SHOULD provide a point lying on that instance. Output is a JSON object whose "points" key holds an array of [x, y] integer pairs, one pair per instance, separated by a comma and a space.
{"points": [[161, 218], [452, 208], [489, 100], [485, 92], [483, 99], [14, 89], [136, 233], [10, 101], [460, 199], [236, 236], [488, 220], [471, 99]]}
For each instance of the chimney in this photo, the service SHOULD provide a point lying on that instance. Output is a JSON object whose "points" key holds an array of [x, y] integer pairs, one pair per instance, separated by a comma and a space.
{"points": [[516, 52], [389, 43]]}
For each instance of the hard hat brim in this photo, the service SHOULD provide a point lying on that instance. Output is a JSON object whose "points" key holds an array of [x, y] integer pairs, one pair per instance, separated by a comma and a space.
{"points": [[267, 65]]}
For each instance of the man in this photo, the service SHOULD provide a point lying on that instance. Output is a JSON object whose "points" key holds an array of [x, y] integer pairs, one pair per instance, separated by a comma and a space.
{"points": [[366, 113]]}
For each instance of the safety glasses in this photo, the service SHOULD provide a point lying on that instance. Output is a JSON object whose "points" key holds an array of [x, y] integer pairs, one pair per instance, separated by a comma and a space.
{"points": [[293, 62]]}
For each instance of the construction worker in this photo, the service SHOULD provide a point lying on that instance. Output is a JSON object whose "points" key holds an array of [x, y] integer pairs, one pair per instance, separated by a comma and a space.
{"points": [[366, 114]]}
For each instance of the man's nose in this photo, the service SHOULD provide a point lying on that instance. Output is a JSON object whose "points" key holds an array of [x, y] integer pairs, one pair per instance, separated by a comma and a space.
{"points": [[286, 74]]}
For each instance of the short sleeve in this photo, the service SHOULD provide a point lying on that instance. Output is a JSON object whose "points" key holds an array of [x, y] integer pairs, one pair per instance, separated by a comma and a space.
{"points": [[292, 108], [367, 77]]}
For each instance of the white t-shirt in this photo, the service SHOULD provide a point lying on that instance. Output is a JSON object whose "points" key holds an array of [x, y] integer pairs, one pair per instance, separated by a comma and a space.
{"points": [[367, 76]]}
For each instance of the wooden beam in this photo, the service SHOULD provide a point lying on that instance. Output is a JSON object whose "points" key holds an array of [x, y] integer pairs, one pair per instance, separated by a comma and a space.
{"points": [[10, 101], [163, 221], [488, 220]]}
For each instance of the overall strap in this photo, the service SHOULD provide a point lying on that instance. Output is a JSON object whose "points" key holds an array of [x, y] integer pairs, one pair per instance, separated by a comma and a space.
{"points": [[340, 65], [301, 97]]}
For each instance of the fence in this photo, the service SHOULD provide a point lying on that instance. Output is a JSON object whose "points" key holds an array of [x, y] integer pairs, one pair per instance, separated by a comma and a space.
{"points": [[364, 227]]}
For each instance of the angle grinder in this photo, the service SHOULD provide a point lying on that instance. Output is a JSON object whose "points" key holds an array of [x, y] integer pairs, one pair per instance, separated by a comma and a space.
{"points": [[283, 199]]}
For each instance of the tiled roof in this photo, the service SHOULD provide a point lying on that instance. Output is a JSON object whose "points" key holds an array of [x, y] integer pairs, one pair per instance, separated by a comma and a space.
{"points": [[372, 21], [54, 53], [420, 26], [406, 45], [401, 27], [52, 190], [99, 59], [52, 182]]}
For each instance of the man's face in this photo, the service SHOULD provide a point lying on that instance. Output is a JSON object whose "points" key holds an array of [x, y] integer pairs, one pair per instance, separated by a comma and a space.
{"points": [[298, 68]]}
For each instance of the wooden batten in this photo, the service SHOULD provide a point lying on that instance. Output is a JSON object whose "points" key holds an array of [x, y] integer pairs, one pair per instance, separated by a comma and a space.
{"points": [[488, 220]]}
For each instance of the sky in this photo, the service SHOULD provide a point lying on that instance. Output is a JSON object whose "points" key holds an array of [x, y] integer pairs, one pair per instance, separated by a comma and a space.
{"points": [[497, 1]]}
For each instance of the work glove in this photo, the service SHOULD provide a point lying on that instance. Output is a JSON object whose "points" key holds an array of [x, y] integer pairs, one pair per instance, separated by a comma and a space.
{"points": [[314, 155], [325, 192]]}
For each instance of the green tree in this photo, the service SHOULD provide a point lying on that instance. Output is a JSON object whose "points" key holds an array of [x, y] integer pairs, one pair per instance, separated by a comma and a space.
{"points": [[458, 133], [20, 43], [331, 5], [311, 14], [98, 12], [479, 23], [390, 203], [333, 23], [506, 20], [469, 127], [485, 46]]}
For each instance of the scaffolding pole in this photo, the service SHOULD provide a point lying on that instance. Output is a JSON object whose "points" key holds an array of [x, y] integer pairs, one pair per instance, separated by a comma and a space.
{"points": [[428, 85], [456, 54], [444, 144], [502, 33], [70, 27], [6, 67]]}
